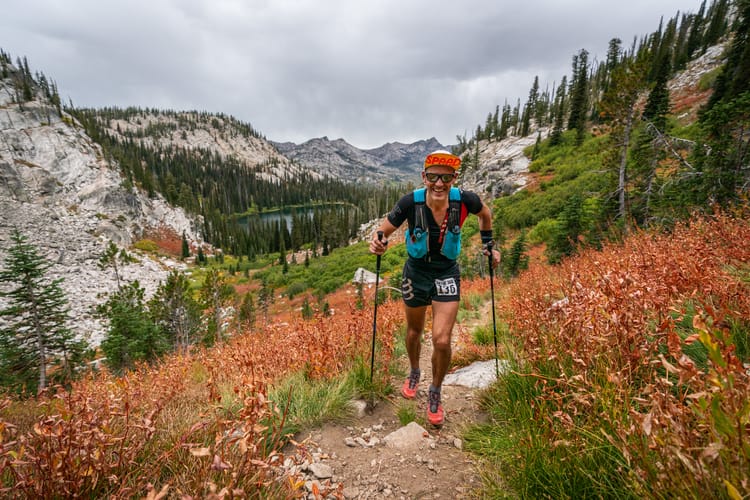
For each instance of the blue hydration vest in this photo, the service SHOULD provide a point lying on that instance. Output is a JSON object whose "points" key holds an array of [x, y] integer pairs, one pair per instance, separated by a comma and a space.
{"points": [[417, 235]]}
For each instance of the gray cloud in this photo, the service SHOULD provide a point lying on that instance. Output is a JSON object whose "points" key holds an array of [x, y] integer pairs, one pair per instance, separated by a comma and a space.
{"points": [[372, 71]]}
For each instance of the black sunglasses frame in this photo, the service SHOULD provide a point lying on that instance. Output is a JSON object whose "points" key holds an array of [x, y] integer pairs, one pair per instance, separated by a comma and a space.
{"points": [[433, 178]]}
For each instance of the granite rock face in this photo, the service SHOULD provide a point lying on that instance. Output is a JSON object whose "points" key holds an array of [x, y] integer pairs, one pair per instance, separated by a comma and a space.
{"points": [[57, 189]]}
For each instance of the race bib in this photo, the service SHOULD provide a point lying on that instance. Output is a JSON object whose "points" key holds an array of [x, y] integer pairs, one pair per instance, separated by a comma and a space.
{"points": [[446, 287]]}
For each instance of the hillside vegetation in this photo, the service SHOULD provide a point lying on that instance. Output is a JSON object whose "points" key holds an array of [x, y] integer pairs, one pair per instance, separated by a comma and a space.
{"points": [[629, 346], [629, 376]]}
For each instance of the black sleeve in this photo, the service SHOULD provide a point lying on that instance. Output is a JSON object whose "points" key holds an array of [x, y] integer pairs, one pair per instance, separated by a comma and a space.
{"points": [[472, 201], [401, 210]]}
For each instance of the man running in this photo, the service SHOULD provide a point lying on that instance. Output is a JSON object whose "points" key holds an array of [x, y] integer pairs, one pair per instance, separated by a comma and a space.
{"points": [[431, 275]]}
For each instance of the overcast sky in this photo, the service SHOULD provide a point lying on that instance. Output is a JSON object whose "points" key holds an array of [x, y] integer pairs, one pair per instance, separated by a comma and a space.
{"points": [[368, 71]]}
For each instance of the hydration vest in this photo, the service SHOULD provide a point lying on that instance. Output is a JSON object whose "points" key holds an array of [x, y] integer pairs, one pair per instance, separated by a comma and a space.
{"points": [[417, 235]]}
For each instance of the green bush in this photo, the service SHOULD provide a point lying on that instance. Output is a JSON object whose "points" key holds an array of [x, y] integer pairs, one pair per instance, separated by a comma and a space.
{"points": [[575, 170], [146, 245], [542, 231], [295, 288]]}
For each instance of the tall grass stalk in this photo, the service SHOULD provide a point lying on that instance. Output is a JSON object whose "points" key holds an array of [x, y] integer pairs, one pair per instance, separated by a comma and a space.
{"points": [[312, 402]]}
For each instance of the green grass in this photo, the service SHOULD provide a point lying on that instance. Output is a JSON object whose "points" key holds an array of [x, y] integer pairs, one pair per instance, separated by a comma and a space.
{"points": [[399, 344], [312, 402], [485, 334], [369, 387], [528, 453], [469, 307], [327, 274], [406, 412], [517, 442]]}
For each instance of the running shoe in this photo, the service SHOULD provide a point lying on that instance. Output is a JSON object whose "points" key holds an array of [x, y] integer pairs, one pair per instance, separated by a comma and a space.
{"points": [[409, 389], [435, 414]]}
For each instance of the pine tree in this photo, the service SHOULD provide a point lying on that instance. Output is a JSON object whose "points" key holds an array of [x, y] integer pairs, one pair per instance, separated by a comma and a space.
{"points": [[516, 259], [35, 331], [695, 37], [530, 108], [579, 97], [557, 129], [504, 122], [246, 313], [618, 108], [185, 247], [307, 311], [717, 22], [27, 82], [725, 120], [214, 294], [132, 336], [613, 58], [176, 312], [564, 241], [265, 297], [657, 105], [113, 257], [496, 123]]}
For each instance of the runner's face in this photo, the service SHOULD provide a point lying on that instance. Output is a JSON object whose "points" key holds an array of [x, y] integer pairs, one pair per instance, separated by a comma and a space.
{"points": [[439, 188]]}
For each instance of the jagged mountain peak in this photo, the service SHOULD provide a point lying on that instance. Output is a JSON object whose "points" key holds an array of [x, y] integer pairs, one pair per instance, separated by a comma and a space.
{"points": [[393, 161]]}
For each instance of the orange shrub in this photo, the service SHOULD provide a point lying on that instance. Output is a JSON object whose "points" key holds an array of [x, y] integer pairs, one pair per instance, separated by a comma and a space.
{"points": [[605, 335], [192, 425]]}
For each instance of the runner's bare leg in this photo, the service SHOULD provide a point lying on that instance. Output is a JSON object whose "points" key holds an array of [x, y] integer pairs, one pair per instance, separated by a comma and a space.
{"points": [[443, 318], [415, 317]]}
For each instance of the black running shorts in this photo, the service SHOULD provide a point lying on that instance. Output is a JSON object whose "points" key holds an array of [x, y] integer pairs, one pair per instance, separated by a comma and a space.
{"points": [[424, 282]]}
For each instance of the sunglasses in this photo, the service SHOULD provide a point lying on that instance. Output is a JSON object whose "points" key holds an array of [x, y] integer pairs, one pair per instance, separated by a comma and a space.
{"points": [[446, 178]]}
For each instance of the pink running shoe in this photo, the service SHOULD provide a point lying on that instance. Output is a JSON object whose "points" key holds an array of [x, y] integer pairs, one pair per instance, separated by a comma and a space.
{"points": [[437, 417], [435, 414], [409, 389]]}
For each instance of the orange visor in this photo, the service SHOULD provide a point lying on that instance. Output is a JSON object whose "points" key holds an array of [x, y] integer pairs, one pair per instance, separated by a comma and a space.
{"points": [[442, 158]]}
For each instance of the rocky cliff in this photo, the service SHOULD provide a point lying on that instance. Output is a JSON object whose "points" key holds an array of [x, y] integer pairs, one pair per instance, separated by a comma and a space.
{"points": [[503, 167], [58, 190]]}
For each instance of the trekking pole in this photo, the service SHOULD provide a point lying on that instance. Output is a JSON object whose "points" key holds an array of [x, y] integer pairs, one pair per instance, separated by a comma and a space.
{"points": [[492, 293], [375, 315]]}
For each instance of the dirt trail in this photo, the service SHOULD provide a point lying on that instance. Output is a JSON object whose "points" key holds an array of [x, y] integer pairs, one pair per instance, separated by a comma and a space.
{"points": [[436, 467]]}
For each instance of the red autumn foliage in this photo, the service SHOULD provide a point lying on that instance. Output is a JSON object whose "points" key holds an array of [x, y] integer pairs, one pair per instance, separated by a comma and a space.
{"points": [[166, 238], [198, 424], [608, 336]]}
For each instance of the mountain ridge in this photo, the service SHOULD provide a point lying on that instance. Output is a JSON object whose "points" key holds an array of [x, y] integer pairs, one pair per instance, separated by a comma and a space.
{"points": [[390, 162]]}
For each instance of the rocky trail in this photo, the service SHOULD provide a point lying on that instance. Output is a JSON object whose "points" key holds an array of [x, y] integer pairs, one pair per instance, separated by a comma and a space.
{"points": [[374, 456]]}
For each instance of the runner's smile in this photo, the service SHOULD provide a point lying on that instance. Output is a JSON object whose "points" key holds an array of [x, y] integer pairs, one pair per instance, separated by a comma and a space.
{"points": [[438, 180]]}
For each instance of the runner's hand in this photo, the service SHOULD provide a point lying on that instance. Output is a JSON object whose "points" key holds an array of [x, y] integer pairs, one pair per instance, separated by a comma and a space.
{"points": [[378, 246], [489, 247]]}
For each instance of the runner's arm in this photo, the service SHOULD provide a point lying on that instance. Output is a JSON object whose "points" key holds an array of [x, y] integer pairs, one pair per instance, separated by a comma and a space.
{"points": [[485, 218]]}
